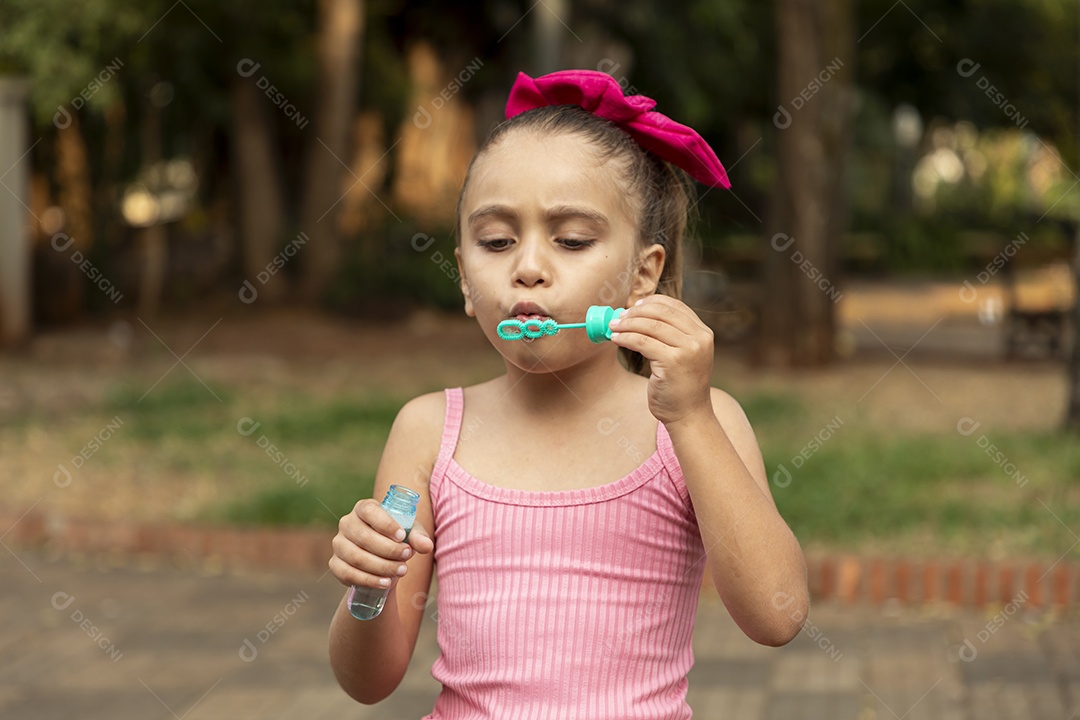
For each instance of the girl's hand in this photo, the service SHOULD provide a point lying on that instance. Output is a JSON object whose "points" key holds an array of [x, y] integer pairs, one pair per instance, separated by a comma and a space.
{"points": [[679, 348], [366, 551]]}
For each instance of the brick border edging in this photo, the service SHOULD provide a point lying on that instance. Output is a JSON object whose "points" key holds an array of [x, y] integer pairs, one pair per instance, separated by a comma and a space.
{"points": [[234, 547], [959, 581], [842, 578]]}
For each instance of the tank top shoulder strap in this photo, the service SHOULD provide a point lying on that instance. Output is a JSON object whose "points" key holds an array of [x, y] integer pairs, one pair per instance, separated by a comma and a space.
{"points": [[671, 463], [451, 429]]}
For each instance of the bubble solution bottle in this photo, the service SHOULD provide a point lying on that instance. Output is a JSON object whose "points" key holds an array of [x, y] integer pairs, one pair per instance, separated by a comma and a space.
{"points": [[400, 502]]}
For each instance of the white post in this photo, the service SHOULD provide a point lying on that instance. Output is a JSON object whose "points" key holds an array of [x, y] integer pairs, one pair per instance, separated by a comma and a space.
{"points": [[14, 213]]}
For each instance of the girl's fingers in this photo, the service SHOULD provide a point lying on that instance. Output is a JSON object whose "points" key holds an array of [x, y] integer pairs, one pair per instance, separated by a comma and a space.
{"points": [[648, 327], [650, 347], [661, 323], [362, 536], [362, 560], [419, 540], [375, 515], [349, 575], [668, 310]]}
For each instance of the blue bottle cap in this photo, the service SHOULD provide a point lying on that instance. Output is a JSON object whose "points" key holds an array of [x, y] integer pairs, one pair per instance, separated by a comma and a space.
{"points": [[597, 320]]}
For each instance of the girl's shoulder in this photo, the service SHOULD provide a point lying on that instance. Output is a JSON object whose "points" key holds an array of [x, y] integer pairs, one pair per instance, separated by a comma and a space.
{"points": [[418, 427], [422, 417]]}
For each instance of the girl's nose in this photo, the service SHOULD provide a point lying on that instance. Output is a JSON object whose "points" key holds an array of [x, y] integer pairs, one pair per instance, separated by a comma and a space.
{"points": [[532, 266]]}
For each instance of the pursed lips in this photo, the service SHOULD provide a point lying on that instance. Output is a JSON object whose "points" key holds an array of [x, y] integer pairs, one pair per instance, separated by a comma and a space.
{"points": [[523, 311]]}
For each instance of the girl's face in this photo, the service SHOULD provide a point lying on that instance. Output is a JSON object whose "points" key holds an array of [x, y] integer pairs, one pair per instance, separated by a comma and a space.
{"points": [[546, 222]]}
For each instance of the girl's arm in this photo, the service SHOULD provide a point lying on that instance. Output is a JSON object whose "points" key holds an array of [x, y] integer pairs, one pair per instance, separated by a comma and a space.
{"points": [[369, 657], [754, 559]]}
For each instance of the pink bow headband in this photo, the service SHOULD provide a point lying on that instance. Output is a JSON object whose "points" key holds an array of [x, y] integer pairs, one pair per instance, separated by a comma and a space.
{"points": [[600, 94]]}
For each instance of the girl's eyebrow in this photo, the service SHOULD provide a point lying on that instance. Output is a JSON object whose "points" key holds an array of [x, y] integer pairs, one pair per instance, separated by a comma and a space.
{"points": [[558, 212], [497, 211], [570, 212]]}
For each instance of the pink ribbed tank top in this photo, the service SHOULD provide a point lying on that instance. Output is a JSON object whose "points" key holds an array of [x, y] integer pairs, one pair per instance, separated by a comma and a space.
{"points": [[564, 604]]}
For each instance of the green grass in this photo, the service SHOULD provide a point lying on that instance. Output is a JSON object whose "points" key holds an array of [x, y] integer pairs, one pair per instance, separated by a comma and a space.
{"points": [[335, 448], [182, 410], [862, 490], [305, 462], [922, 494]]}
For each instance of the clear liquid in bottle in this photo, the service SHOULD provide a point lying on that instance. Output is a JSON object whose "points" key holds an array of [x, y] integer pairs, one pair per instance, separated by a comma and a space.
{"points": [[400, 502]]}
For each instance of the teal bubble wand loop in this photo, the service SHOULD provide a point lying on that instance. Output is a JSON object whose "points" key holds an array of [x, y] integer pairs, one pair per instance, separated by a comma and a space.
{"points": [[597, 325]]}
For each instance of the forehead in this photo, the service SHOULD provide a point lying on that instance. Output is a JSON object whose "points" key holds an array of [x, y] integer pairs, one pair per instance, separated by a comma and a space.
{"points": [[530, 169]]}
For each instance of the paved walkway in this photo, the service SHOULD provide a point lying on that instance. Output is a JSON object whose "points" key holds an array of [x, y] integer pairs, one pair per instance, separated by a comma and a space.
{"points": [[80, 640]]}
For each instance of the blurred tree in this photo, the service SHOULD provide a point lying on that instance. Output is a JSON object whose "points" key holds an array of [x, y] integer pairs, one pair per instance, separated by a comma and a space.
{"points": [[548, 36], [808, 212], [710, 64], [259, 192], [341, 25], [68, 52], [15, 314], [1072, 405], [260, 132]]}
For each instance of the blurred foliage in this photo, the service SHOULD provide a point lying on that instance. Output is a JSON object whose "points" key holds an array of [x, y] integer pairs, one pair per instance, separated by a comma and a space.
{"points": [[709, 63], [412, 269]]}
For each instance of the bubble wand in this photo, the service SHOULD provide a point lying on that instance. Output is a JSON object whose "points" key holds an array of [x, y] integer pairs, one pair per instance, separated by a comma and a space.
{"points": [[597, 325]]}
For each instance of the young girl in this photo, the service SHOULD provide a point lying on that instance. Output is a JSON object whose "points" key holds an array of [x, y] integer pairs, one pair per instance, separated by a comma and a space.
{"points": [[572, 504]]}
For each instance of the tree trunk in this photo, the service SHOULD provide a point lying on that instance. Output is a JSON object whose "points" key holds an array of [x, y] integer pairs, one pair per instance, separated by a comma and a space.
{"points": [[341, 24], [14, 235], [1072, 413], [258, 188], [75, 196], [808, 210], [548, 32], [152, 241]]}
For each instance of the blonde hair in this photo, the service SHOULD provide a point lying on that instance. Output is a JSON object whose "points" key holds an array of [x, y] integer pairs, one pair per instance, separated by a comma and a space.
{"points": [[663, 192]]}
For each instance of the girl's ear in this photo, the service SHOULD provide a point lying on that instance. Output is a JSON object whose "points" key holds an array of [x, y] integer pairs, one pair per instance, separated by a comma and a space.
{"points": [[647, 276], [465, 289]]}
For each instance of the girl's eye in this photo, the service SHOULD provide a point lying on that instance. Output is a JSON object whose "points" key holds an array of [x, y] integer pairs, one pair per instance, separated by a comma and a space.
{"points": [[496, 244], [576, 244]]}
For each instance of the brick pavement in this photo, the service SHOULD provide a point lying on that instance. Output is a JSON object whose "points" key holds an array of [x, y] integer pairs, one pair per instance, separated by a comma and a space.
{"points": [[82, 639]]}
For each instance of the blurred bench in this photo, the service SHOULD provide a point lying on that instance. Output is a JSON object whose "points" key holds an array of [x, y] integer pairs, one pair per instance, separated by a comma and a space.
{"points": [[1038, 305], [1038, 290]]}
